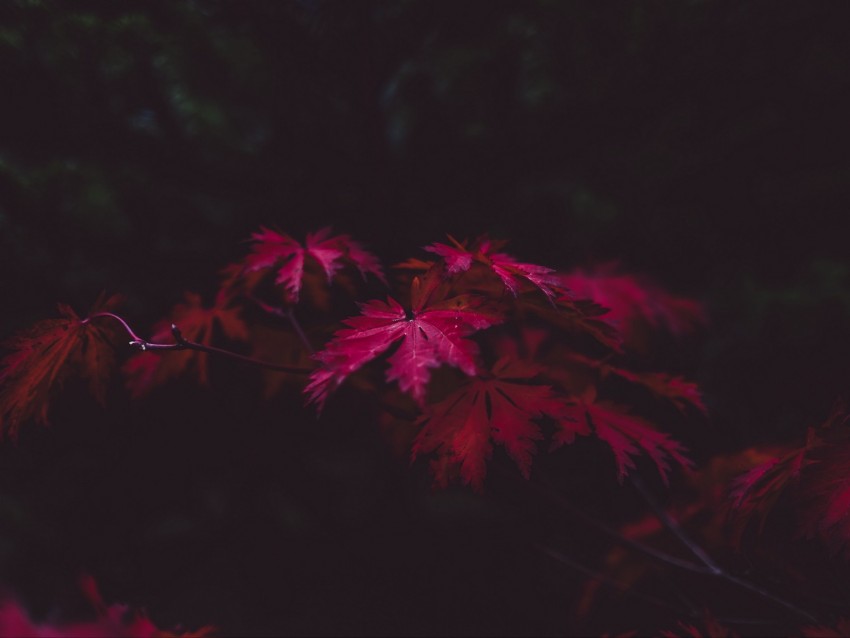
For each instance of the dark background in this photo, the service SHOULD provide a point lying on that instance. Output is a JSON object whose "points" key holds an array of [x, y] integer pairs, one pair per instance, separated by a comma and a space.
{"points": [[702, 143]]}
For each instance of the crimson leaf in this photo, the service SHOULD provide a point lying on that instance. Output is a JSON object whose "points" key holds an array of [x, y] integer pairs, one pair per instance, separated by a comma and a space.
{"points": [[626, 434], [42, 357], [429, 336], [274, 249], [500, 408], [459, 258]]}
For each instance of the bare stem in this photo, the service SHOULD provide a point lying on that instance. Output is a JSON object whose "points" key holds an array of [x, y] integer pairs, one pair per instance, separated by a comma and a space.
{"points": [[290, 314], [716, 570], [605, 580], [615, 534], [708, 567], [120, 320], [673, 525], [181, 343]]}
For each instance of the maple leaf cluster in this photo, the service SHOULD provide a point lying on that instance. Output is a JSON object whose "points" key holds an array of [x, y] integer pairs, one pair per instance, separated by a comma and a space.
{"points": [[471, 354], [471, 288], [442, 316]]}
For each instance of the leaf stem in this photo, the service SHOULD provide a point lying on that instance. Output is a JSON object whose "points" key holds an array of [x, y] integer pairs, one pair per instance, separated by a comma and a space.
{"points": [[714, 569], [288, 314], [615, 534], [625, 589], [708, 567], [181, 343], [606, 580], [673, 525]]}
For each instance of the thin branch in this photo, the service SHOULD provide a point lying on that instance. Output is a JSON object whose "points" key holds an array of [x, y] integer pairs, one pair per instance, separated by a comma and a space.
{"points": [[673, 525], [182, 343], [120, 320], [628, 590], [716, 570], [615, 534], [606, 580], [192, 345], [398, 412], [288, 314], [709, 568]]}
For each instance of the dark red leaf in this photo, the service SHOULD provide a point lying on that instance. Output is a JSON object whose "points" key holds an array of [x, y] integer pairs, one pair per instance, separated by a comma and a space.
{"points": [[632, 300], [675, 389], [43, 357], [499, 409], [112, 621], [626, 434], [819, 470], [841, 629], [825, 495]]}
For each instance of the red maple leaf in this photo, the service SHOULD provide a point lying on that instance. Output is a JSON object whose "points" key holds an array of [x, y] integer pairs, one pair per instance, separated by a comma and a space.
{"points": [[825, 490], [498, 408], [632, 300], [626, 434], [197, 323], [711, 628], [755, 492], [841, 629], [430, 336], [677, 390], [42, 357], [112, 621], [459, 258], [818, 470], [579, 316], [272, 249]]}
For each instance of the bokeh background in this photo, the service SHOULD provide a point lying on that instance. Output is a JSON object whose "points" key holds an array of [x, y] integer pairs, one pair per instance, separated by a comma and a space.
{"points": [[701, 143]]}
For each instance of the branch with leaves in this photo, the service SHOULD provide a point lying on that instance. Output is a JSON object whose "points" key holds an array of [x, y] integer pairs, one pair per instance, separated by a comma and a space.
{"points": [[482, 353]]}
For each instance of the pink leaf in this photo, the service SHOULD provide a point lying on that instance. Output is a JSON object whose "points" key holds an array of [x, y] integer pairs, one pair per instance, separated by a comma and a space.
{"points": [[459, 259], [633, 299], [331, 252], [429, 337]]}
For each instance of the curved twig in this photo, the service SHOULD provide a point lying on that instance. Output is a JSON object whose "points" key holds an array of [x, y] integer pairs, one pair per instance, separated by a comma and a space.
{"points": [[181, 343]]}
